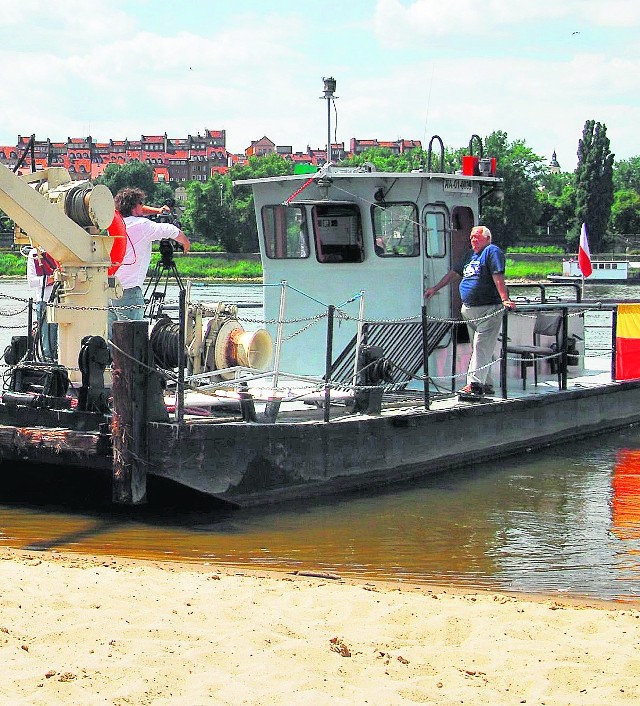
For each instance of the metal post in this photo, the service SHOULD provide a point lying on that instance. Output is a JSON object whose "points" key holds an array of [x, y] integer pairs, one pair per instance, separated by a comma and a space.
{"points": [[276, 358], [329, 356], [329, 90], [358, 338], [181, 356], [328, 130], [503, 355], [565, 342], [425, 355], [30, 340]]}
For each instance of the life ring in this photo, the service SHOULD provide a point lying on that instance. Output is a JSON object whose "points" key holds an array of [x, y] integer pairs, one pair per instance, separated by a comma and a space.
{"points": [[118, 231]]}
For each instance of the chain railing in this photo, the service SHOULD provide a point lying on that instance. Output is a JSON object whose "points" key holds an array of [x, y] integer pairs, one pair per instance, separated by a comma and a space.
{"points": [[210, 382]]}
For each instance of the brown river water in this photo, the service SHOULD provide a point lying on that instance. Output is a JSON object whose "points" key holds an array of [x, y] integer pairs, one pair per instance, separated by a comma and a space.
{"points": [[566, 519]]}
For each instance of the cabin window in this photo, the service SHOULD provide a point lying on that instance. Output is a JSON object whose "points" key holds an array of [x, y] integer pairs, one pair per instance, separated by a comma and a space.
{"points": [[285, 232], [395, 230], [338, 233], [434, 234]]}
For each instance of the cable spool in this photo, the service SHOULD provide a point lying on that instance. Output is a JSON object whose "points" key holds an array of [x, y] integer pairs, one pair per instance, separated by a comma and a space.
{"points": [[228, 347], [235, 346], [165, 343], [75, 206]]}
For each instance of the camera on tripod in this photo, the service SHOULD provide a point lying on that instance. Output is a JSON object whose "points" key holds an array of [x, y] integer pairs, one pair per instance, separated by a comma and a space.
{"points": [[168, 216], [166, 247]]}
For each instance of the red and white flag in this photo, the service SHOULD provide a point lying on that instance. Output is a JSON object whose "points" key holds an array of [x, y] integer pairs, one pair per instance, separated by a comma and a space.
{"points": [[584, 256]]}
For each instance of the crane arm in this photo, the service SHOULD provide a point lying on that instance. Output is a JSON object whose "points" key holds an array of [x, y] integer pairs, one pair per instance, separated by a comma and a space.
{"points": [[48, 225]]}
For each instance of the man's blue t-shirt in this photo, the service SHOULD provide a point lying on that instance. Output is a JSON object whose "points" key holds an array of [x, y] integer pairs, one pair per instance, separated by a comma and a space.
{"points": [[477, 287]]}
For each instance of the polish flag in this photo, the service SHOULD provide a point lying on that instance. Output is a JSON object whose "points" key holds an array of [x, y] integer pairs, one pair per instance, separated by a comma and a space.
{"points": [[584, 256]]}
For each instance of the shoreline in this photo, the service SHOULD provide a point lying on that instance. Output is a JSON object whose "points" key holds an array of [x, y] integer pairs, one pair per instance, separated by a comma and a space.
{"points": [[93, 629]]}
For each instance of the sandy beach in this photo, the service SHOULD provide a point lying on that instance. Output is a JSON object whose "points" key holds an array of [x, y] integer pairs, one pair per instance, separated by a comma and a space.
{"points": [[78, 629]]}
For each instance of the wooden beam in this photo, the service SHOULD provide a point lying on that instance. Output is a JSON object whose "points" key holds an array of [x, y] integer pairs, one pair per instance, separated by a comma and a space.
{"points": [[131, 359]]}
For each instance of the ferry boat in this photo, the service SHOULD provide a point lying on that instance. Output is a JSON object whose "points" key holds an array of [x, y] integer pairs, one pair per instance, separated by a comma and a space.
{"points": [[347, 381], [604, 272]]}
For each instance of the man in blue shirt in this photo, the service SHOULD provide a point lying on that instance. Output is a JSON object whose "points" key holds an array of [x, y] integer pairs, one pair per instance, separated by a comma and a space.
{"points": [[484, 295]]}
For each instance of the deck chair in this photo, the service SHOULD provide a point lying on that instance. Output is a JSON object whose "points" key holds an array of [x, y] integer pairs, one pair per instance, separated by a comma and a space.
{"points": [[548, 325]]}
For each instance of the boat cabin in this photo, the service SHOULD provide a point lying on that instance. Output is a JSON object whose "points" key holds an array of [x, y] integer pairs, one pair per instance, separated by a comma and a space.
{"points": [[370, 243]]}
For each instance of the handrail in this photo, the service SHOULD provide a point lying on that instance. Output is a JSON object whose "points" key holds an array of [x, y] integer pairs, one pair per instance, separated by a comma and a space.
{"points": [[479, 141], [543, 288], [435, 137]]}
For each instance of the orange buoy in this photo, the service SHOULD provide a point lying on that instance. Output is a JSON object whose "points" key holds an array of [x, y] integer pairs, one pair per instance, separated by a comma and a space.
{"points": [[118, 231]]}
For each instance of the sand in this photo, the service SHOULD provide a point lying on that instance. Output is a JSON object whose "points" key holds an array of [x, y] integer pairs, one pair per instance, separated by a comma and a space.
{"points": [[89, 630]]}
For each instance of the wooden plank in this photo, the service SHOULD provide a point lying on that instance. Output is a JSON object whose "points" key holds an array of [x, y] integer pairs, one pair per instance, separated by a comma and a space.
{"points": [[55, 446]]}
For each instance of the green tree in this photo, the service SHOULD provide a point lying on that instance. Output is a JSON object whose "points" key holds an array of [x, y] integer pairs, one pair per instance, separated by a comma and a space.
{"points": [[210, 215], [385, 160], [243, 214], [136, 174], [626, 174], [260, 167], [625, 212], [514, 218], [594, 183], [557, 197]]}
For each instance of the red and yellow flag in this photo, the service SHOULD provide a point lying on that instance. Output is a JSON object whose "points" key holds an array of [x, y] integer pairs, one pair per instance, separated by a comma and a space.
{"points": [[628, 342]]}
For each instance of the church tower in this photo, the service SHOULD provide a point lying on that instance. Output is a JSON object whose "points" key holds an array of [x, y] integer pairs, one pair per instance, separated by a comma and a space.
{"points": [[554, 167]]}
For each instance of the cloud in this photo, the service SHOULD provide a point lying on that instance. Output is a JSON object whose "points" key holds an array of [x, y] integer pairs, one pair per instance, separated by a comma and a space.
{"points": [[119, 68], [398, 23], [65, 27], [142, 81]]}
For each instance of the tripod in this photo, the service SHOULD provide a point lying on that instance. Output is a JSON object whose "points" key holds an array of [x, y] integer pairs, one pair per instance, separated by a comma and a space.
{"points": [[166, 266]]}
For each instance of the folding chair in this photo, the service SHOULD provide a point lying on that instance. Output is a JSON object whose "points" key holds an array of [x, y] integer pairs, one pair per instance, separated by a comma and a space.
{"points": [[548, 325]]}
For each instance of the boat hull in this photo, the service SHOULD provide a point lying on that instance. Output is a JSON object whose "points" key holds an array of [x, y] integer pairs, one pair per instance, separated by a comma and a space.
{"points": [[246, 463], [251, 464]]}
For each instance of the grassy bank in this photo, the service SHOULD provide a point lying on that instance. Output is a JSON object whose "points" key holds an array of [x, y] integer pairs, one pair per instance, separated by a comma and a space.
{"points": [[205, 268], [532, 270], [14, 265]]}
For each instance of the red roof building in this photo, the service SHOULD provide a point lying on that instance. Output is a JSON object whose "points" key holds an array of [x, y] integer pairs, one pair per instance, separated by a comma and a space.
{"points": [[173, 160]]}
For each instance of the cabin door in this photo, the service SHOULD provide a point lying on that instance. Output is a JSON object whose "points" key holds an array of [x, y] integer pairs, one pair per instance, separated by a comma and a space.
{"points": [[461, 224], [436, 260]]}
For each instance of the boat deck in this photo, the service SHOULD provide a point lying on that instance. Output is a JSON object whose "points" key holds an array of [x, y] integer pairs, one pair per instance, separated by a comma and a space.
{"points": [[296, 406]]}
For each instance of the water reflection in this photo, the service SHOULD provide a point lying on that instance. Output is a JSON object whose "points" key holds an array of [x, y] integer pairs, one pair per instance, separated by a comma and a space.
{"points": [[625, 502], [567, 519]]}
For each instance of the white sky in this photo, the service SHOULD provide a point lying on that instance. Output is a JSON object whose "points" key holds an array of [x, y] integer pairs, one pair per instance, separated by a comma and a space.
{"points": [[404, 69]]}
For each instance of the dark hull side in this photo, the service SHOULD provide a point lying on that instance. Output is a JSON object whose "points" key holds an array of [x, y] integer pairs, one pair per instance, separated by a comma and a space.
{"points": [[252, 464]]}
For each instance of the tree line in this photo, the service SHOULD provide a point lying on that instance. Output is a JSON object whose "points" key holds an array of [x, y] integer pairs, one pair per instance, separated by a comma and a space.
{"points": [[536, 203]]}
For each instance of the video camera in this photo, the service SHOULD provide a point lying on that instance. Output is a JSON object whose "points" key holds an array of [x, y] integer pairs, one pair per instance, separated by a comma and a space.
{"points": [[168, 216]]}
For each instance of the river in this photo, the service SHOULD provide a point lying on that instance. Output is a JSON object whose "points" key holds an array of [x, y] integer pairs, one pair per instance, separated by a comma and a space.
{"points": [[566, 519]]}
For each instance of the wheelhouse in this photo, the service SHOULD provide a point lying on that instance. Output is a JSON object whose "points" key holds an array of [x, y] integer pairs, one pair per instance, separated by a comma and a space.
{"points": [[368, 243]]}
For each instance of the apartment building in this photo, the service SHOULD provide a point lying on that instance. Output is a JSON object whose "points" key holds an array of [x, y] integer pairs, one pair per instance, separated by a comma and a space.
{"points": [[174, 160]]}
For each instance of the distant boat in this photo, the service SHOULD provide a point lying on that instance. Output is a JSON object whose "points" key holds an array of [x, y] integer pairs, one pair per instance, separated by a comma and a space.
{"points": [[604, 271]]}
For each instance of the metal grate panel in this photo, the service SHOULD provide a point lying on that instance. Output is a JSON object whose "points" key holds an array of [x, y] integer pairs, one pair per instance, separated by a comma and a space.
{"points": [[402, 346]]}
